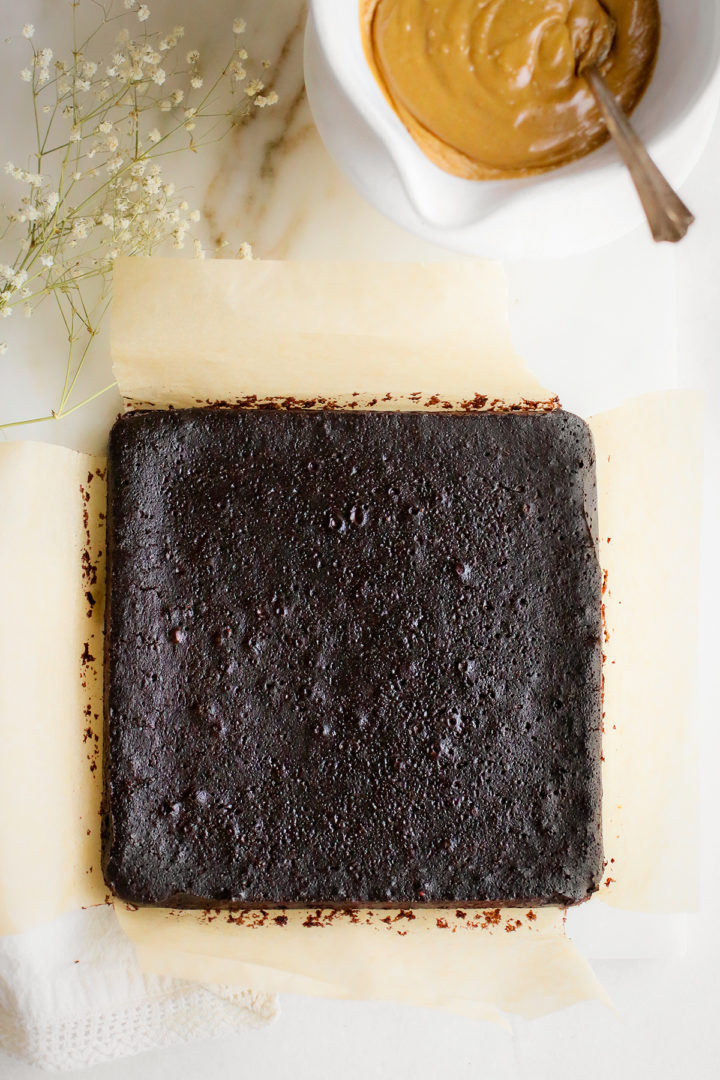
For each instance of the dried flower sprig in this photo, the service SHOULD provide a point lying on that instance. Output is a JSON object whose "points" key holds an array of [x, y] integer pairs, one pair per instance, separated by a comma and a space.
{"points": [[96, 188]]}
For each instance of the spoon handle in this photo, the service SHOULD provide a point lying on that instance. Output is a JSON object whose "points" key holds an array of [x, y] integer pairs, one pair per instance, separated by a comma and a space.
{"points": [[667, 215]]}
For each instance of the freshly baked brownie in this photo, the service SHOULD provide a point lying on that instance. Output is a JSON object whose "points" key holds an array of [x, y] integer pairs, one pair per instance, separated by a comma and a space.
{"points": [[352, 658]]}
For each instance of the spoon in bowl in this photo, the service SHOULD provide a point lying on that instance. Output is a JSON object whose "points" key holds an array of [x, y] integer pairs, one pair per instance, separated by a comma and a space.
{"points": [[667, 215]]}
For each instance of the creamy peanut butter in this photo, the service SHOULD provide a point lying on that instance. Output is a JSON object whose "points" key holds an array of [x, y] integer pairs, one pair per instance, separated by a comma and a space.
{"points": [[493, 88]]}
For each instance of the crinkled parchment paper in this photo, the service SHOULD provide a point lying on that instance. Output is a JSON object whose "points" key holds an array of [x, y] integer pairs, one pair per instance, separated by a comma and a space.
{"points": [[52, 588], [379, 335], [649, 455]]}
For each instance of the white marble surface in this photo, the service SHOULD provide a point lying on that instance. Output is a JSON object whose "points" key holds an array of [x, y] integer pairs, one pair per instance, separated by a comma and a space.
{"points": [[642, 318]]}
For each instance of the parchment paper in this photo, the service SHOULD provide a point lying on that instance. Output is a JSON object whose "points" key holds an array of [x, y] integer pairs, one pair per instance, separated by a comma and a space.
{"points": [[397, 336], [52, 586], [473, 962], [649, 455], [378, 335]]}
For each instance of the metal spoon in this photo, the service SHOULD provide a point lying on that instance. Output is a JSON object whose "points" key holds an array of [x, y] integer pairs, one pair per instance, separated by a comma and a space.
{"points": [[668, 216]]}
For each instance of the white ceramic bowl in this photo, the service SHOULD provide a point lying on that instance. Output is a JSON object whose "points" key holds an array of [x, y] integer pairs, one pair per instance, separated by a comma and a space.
{"points": [[575, 208]]}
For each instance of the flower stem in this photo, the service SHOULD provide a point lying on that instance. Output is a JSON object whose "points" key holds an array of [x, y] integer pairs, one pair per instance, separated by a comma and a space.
{"points": [[21, 423], [86, 401]]}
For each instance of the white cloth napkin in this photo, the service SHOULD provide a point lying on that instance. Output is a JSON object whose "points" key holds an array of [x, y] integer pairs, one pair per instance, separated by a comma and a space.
{"points": [[72, 995]]}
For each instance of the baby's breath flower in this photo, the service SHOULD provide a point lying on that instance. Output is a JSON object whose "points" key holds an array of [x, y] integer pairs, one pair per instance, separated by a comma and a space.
{"points": [[28, 30], [131, 207], [178, 235], [245, 251], [3, 348], [27, 311]]}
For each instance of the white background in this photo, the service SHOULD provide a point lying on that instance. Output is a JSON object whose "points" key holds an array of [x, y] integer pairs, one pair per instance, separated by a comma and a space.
{"points": [[628, 306]]}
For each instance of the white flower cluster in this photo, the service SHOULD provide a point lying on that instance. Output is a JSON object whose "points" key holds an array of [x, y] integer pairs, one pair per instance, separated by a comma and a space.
{"points": [[100, 192], [40, 71], [14, 279]]}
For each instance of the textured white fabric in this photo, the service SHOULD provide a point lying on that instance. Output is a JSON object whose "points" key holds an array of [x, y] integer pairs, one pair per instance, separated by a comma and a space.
{"points": [[72, 995]]}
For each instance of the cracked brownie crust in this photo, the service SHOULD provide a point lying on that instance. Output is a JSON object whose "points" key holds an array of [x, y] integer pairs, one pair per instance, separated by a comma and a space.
{"points": [[352, 659]]}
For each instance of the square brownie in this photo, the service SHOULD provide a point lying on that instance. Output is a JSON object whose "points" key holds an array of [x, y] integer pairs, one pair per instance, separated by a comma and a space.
{"points": [[352, 659]]}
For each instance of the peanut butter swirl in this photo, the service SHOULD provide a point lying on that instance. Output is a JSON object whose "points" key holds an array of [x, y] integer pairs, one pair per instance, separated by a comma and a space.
{"points": [[493, 88]]}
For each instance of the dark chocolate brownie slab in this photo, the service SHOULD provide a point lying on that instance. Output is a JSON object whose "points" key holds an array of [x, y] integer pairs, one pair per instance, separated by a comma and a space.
{"points": [[352, 658]]}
